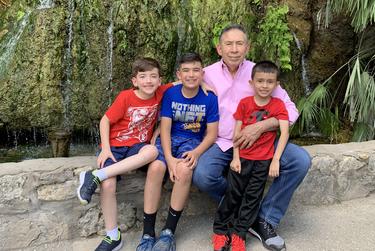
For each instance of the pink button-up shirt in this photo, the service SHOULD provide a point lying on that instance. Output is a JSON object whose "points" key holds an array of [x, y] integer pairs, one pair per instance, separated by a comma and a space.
{"points": [[231, 90]]}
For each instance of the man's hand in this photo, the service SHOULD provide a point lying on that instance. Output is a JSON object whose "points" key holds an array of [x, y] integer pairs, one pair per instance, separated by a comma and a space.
{"points": [[191, 158], [103, 156], [206, 88], [235, 165], [247, 136], [274, 168]]}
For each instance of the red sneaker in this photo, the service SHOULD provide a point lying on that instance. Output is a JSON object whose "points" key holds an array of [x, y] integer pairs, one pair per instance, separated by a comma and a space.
{"points": [[221, 242], [238, 244]]}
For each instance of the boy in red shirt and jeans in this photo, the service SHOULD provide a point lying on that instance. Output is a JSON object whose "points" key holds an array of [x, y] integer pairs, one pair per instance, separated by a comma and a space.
{"points": [[250, 167]]}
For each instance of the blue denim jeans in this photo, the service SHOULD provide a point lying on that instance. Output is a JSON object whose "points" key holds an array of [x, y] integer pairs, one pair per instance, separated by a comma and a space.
{"points": [[294, 165]]}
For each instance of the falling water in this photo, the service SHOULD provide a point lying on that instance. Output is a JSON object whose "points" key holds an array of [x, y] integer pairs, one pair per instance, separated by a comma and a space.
{"points": [[45, 4], [305, 79], [10, 46], [181, 31], [66, 85], [110, 55], [15, 139]]}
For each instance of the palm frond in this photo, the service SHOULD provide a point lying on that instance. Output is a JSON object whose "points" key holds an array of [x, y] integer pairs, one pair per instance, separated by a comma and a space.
{"points": [[363, 131], [362, 12]]}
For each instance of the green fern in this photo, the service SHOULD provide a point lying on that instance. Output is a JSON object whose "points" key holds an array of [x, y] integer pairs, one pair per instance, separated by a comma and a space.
{"points": [[274, 37]]}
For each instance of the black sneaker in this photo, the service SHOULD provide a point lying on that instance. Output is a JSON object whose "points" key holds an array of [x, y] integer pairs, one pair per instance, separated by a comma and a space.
{"points": [[108, 244], [267, 235], [87, 186]]}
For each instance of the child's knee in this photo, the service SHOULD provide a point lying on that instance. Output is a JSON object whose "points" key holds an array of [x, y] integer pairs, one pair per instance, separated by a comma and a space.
{"points": [[156, 169], [185, 173], [108, 186], [151, 151]]}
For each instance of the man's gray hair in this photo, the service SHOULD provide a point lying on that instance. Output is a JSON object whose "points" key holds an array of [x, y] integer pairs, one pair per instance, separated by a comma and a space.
{"points": [[233, 27]]}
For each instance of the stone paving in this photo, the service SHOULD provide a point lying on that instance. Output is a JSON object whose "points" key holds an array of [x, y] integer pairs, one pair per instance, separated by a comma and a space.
{"points": [[346, 226]]}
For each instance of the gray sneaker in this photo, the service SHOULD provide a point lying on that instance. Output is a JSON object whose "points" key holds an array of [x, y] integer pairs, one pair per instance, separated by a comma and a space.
{"points": [[146, 243], [108, 244], [166, 241], [267, 235]]}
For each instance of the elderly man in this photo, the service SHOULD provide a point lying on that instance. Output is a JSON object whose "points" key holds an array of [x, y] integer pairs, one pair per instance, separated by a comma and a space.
{"points": [[230, 79]]}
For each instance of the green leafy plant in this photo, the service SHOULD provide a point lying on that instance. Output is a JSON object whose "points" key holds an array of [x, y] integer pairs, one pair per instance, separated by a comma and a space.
{"points": [[216, 32], [315, 112], [256, 2], [361, 12], [360, 90], [274, 37], [20, 15]]}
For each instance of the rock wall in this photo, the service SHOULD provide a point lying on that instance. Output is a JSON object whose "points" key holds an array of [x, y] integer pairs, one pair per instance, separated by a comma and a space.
{"points": [[38, 201]]}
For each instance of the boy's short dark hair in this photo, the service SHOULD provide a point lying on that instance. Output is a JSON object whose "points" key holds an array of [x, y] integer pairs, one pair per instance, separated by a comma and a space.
{"points": [[267, 67], [144, 64], [233, 27], [190, 57]]}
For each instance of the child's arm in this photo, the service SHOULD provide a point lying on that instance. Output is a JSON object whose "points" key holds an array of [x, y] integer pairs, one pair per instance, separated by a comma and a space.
{"points": [[165, 137], [211, 134], [155, 135], [104, 138], [283, 140], [235, 165]]}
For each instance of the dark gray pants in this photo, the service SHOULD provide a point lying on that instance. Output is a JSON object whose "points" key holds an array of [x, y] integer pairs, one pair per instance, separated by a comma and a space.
{"points": [[240, 205]]}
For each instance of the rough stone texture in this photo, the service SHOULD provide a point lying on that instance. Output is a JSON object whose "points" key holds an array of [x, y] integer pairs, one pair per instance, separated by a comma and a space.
{"points": [[338, 173], [62, 191], [37, 200]]}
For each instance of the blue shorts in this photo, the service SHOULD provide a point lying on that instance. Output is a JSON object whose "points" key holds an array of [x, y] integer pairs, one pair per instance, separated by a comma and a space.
{"points": [[123, 152], [179, 145]]}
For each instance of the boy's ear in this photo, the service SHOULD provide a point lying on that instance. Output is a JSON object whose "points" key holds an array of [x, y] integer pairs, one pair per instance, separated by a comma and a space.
{"points": [[251, 82], [134, 81], [178, 74], [277, 83]]}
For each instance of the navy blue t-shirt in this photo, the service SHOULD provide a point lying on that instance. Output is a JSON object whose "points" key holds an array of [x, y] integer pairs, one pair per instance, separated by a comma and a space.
{"points": [[189, 115]]}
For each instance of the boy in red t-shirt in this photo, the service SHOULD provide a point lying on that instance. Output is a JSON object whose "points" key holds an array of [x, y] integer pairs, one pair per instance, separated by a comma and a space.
{"points": [[250, 167], [126, 130]]}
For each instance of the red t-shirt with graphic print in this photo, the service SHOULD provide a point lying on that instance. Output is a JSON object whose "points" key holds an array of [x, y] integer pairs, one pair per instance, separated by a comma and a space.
{"points": [[132, 119], [249, 113]]}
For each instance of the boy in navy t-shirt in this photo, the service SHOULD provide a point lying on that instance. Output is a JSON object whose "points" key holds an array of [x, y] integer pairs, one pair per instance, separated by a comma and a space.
{"points": [[189, 122]]}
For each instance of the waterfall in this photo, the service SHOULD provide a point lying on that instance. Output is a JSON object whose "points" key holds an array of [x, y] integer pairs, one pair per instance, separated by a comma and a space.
{"points": [[15, 139], [110, 56], [66, 85], [45, 4], [9, 47], [305, 79], [181, 31]]}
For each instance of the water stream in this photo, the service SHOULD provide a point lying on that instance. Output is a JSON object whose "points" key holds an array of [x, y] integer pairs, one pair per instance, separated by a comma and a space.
{"points": [[67, 82], [7, 49], [45, 4], [110, 55], [304, 76]]}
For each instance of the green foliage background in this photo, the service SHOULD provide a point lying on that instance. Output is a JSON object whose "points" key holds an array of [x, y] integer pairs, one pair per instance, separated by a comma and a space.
{"points": [[34, 83]]}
